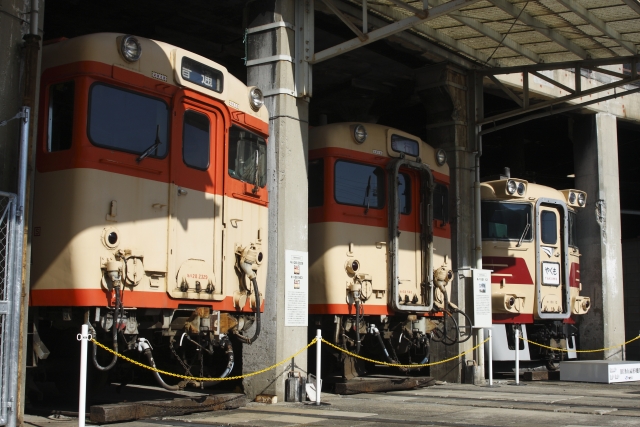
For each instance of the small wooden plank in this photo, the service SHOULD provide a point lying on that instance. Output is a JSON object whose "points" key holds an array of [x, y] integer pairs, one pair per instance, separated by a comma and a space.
{"points": [[129, 411], [266, 398], [373, 385], [541, 376]]}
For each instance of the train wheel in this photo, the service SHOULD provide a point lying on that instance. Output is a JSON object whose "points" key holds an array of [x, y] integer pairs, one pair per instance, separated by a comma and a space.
{"points": [[553, 362]]}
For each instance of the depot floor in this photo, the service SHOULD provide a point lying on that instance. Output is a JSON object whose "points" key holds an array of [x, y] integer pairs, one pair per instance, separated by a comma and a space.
{"points": [[553, 403]]}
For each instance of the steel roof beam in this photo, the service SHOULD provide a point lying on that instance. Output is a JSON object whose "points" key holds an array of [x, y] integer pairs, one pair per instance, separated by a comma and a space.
{"points": [[540, 27], [439, 37], [493, 34], [345, 20], [633, 4], [420, 42], [605, 28], [587, 63], [389, 30]]}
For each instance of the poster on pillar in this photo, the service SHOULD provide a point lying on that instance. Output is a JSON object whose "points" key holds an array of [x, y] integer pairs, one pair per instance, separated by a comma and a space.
{"points": [[481, 298], [296, 300]]}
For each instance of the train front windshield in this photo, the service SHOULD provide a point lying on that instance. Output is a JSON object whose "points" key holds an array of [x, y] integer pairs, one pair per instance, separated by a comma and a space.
{"points": [[506, 221]]}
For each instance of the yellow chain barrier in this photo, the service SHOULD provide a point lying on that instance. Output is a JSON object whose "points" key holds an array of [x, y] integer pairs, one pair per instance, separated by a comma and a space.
{"points": [[579, 351], [185, 377], [397, 365], [313, 341]]}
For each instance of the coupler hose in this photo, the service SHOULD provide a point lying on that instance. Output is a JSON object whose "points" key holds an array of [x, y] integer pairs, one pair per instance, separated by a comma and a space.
{"points": [[145, 347], [114, 328], [357, 326], [251, 340], [376, 332], [225, 343]]}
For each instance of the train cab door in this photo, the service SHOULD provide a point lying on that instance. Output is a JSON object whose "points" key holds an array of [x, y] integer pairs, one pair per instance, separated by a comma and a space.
{"points": [[410, 248], [552, 278], [195, 204]]}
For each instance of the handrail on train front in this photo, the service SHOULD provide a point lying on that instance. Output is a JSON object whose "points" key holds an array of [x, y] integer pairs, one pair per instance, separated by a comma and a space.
{"points": [[426, 233]]}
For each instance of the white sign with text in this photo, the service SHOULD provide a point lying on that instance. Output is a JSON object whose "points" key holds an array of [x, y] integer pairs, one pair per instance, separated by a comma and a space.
{"points": [[482, 298], [296, 302]]}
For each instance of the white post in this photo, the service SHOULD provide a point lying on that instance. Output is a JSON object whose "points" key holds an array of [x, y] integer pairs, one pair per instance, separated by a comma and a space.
{"points": [[490, 358], [517, 357], [83, 337], [318, 365]]}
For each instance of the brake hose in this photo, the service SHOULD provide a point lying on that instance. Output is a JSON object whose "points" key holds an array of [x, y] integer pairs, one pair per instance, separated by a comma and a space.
{"points": [[115, 337], [251, 340]]}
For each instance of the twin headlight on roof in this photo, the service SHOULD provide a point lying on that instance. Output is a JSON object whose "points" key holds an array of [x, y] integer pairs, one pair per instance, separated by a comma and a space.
{"points": [[575, 198], [516, 187]]}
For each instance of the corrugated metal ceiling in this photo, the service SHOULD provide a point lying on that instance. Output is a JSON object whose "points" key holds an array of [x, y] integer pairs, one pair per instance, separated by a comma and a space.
{"points": [[503, 33]]}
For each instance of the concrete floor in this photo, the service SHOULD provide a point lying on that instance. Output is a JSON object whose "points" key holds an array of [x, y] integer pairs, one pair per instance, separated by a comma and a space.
{"points": [[553, 403]]}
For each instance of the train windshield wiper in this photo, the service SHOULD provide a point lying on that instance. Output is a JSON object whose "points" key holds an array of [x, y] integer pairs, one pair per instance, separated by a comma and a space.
{"points": [[365, 202], [154, 146], [526, 228]]}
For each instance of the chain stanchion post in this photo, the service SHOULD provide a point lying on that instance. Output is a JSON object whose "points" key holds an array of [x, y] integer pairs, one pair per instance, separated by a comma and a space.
{"points": [[318, 365], [84, 338], [517, 357], [490, 358]]}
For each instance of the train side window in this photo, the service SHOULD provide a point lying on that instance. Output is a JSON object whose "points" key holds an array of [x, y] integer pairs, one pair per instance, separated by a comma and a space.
{"points": [[60, 126], [359, 185], [506, 221], [549, 231], [195, 140], [441, 203], [316, 183], [573, 229], [127, 121], [404, 189], [247, 156]]}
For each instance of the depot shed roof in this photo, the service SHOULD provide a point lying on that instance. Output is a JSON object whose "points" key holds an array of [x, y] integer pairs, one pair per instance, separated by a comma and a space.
{"points": [[507, 33]]}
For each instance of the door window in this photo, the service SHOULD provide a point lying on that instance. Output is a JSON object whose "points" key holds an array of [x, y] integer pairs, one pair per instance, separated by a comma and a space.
{"points": [[60, 116], [196, 140], [549, 229], [404, 190]]}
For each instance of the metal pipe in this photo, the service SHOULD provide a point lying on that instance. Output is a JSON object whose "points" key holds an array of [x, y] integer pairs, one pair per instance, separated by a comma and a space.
{"points": [[152, 363], [318, 364], [517, 356], [490, 357], [376, 332], [478, 216], [34, 16], [82, 403], [225, 343]]}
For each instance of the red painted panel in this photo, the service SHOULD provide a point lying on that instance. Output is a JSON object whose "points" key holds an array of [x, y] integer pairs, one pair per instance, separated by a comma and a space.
{"points": [[138, 299], [516, 267], [574, 275], [501, 318]]}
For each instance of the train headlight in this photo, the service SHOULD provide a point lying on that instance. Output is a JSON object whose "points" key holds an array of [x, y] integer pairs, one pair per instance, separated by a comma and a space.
{"points": [[352, 266], [521, 188], [130, 48], [256, 98], [511, 187], [359, 134], [441, 157], [582, 199], [572, 197]]}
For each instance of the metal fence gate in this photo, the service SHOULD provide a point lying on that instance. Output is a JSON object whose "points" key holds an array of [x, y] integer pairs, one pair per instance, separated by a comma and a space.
{"points": [[9, 323]]}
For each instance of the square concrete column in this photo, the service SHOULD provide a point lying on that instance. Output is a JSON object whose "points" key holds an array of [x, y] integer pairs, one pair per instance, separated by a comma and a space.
{"points": [[288, 190], [596, 170]]}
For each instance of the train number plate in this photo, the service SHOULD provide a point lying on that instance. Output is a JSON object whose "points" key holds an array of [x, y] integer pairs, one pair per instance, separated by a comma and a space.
{"points": [[550, 273]]}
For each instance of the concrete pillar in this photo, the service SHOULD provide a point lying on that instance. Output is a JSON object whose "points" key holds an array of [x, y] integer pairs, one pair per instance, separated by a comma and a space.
{"points": [[596, 170], [446, 98], [287, 184]]}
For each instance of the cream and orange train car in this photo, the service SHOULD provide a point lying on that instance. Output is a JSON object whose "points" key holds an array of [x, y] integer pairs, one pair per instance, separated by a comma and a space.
{"points": [[529, 236], [379, 240], [150, 208]]}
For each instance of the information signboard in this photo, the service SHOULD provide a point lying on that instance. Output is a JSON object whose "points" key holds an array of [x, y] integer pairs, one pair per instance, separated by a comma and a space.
{"points": [[296, 303], [481, 298]]}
